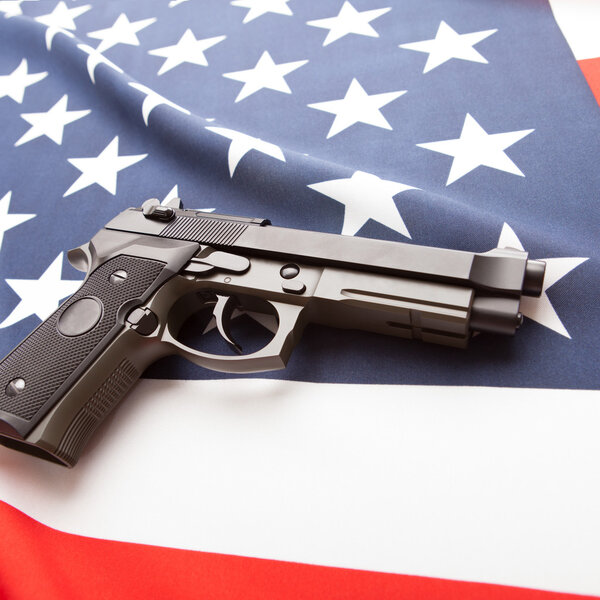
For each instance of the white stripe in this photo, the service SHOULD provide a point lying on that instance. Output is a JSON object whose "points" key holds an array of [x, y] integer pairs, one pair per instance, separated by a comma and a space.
{"points": [[481, 484], [579, 20]]}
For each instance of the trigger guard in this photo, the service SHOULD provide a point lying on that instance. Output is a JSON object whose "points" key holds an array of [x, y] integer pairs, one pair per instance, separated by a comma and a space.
{"points": [[270, 358]]}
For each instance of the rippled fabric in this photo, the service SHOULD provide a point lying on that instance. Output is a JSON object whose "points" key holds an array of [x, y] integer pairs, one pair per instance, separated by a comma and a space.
{"points": [[464, 124], [279, 146]]}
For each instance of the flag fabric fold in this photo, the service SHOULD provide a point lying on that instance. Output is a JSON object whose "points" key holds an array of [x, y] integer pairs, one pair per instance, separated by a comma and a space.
{"points": [[371, 466]]}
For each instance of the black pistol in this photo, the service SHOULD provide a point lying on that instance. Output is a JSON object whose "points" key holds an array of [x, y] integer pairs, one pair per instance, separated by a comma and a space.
{"points": [[152, 268]]}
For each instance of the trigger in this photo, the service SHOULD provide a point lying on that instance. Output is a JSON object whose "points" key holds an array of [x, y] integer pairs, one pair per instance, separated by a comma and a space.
{"points": [[222, 311]]}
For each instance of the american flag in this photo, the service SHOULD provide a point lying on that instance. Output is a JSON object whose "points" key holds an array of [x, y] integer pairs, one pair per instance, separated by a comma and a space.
{"points": [[371, 466]]}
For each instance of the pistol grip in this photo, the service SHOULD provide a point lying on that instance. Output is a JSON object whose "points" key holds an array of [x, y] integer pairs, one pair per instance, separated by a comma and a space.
{"points": [[75, 349]]}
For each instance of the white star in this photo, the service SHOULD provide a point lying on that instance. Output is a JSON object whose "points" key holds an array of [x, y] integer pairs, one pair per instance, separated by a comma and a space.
{"points": [[61, 20], [11, 8], [349, 20], [9, 221], [357, 107], [122, 31], [152, 100], [476, 148], [242, 143], [174, 193], [266, 74], [13, 85], [41, 296], [174, 3], [51, 123], [257, 8], [449, 44], [187, 49], [102, 169], [365, 197], [540, 309], [94, 59]]}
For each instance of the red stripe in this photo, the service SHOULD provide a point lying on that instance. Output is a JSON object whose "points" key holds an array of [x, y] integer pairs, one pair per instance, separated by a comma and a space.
{"points": [[591, 70], [39, 562]]}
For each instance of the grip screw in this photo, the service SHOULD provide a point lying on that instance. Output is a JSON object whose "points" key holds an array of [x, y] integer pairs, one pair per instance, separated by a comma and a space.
{"points": [[118, 277], [15, 386]]}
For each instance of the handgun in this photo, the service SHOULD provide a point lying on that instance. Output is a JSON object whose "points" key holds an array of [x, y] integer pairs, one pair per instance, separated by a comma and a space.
{"points": [[152, 268]]}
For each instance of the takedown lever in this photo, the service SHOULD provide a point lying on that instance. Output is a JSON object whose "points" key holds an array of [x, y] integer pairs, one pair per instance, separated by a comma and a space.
{"points": [[224, 261]]}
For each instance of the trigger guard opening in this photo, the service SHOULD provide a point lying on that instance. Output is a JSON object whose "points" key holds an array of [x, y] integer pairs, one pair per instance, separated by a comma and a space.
{"points": [[207, 319], [271, 357]]}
